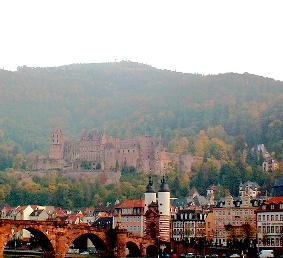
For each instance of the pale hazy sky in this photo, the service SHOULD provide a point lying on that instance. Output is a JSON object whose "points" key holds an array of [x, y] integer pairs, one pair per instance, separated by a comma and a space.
{"points": [[206, 37]]}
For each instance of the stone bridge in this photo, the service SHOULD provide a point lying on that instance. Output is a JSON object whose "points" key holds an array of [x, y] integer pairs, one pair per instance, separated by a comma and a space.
{"points": [[56, 237]]}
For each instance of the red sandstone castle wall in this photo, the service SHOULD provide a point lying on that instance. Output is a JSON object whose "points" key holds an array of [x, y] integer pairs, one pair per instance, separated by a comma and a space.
{"points": [[142, 152]]}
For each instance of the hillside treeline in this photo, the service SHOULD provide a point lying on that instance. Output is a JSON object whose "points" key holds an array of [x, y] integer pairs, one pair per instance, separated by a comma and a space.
{"points": [[128, 98], [53, 188], [221, 118]]}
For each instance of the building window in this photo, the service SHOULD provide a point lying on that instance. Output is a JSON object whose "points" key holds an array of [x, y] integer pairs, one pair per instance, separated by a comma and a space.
{"points": [[272, 206], [272, 241], [272, 229]]}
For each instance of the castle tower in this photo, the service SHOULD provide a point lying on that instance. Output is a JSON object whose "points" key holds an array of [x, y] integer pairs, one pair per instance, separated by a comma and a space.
{"points": [[104, 138], [150, 195], [57, 148], [164, 210]]}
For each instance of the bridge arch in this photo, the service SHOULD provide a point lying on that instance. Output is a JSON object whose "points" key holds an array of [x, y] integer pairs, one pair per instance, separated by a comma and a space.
{"points": [[152, 251], [36, 240], [38, 237], [133, 249], [83, 240]]}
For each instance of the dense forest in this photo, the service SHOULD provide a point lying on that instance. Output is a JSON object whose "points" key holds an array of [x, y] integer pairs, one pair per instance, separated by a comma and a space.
{"points": [[221, 118]]}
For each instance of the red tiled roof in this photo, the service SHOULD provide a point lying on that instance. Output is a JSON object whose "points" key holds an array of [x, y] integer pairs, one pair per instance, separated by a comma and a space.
{"points": [[59, 212], [275, 200], [34, 206], [73, 217], [103, 214], [20, 209], [131, 204], [88, 211]]}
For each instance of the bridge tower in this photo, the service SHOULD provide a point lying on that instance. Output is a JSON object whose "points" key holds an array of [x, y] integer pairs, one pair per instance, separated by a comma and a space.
{"points": [[149, 195], [164, 210]]}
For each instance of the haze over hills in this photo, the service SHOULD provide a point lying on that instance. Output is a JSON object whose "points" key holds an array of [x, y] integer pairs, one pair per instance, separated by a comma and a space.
{"points": [[128, 98], [219, 118]]}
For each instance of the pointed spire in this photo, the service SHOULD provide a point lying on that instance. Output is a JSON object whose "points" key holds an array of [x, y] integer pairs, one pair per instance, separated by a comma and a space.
{"points": [[150, 187], [164, 187]]}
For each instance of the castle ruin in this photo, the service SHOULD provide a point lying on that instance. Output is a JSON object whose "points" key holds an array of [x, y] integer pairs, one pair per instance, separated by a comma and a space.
{"points": [[106, 153]]}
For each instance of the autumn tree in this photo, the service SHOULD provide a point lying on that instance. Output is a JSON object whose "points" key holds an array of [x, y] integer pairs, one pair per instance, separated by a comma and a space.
{"points": [[179, 145]]}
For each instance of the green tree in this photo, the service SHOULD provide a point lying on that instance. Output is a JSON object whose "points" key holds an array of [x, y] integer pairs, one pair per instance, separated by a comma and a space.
{"points": [[230, 177]]}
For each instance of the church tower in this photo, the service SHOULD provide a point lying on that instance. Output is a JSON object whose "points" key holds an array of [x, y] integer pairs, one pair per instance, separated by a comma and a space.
{"points": [[164, 210], [56, 151]]}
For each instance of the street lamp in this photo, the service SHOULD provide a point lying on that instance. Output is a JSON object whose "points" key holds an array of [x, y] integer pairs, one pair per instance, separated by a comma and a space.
{"points": [[204, 245], [14, 237], [158, 246]]}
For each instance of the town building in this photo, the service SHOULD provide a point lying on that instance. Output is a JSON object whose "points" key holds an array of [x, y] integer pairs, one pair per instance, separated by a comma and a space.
{"points": [[270, 220], [234, 217], [269, 164], [249, 189], [129, 214], [188, 225], [39, 215], [270, 223]]}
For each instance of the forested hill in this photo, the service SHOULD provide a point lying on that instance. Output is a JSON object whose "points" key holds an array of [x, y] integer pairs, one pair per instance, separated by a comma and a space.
{"points": [[129, 98]]}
